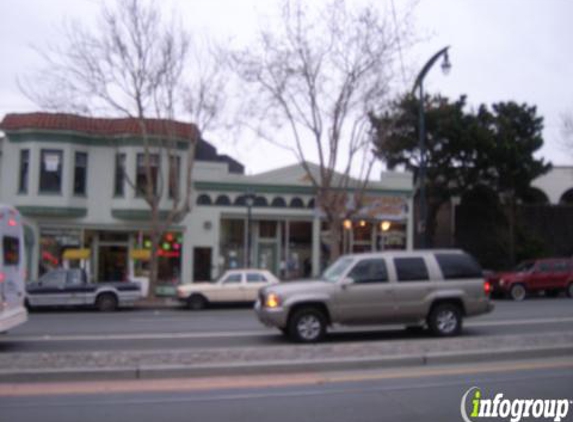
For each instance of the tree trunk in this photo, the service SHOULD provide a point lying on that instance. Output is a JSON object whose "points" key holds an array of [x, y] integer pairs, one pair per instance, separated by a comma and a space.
{"points": [[431, 223], [335, 236], [153, 263]]}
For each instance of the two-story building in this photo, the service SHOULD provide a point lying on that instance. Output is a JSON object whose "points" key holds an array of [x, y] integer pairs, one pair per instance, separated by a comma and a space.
{"points": [[77, 181]]}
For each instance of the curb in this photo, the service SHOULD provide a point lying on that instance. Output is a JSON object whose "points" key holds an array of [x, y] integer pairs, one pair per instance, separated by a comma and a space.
{"points": [[144, 372]]}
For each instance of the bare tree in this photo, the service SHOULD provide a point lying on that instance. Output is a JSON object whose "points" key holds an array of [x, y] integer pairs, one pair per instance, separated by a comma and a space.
{"points": [[134, 65], [315, 78]]}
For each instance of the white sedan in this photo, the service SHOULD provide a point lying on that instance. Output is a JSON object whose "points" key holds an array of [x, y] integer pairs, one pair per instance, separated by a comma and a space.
{"points": [[234, 286]]}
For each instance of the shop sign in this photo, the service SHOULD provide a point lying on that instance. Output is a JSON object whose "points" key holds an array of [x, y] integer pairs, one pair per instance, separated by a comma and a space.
{"points": [[141, 254], [65, 237], [384, 208], [78, 254]]}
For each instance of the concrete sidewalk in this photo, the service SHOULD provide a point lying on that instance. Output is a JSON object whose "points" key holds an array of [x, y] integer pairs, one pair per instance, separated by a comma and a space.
{"points": [[60, 366]]}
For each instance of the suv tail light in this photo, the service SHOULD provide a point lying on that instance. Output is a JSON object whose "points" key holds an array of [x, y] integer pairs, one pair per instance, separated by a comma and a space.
{"points": [[487, 287]]}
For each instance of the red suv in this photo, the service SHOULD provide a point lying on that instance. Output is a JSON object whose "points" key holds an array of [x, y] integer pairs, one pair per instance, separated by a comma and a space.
{"points": [[548, 275]]}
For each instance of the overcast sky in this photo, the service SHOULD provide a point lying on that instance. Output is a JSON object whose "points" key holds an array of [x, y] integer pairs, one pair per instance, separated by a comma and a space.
{"points": [[500, 50]]}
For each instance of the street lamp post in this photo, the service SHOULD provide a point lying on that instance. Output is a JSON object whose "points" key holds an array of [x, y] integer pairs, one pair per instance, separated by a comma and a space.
{"points": [[250, 201], [446, 66]]}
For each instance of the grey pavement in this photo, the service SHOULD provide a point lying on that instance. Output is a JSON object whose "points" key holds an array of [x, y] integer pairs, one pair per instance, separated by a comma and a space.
{"points": [[409, 394], [136, 364]]}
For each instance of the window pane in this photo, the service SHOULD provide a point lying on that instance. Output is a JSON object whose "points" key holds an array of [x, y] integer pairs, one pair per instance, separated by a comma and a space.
{"points": [[411, 269], [24, 170], [52, 278], [255, 278], [233, 278], [119, 175], [80, 173], [11, 248], [174, 175], [141, 176], [74, 278], [369, 271], [456, 266], [51, 171]]}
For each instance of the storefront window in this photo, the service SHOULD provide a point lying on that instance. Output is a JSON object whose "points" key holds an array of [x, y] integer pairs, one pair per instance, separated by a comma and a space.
{"points": [[53, 243], [232, 243], [393, 238], [362, 236], [268, 229], [299, 259], [169, 256]]}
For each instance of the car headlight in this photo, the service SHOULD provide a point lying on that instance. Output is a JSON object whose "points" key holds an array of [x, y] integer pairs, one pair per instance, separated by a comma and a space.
{"points": [[272, 301]]}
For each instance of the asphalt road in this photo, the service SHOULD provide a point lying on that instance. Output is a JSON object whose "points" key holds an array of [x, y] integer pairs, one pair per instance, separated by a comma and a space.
{"points": [[178, 328], [408, 394]]}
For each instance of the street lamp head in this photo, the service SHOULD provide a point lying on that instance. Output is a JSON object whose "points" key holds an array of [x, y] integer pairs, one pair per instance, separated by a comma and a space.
{"points": [[446, 65]]}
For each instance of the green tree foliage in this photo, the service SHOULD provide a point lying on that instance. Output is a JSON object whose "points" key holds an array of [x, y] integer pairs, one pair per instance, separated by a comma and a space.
{"points": [[464, 149]]}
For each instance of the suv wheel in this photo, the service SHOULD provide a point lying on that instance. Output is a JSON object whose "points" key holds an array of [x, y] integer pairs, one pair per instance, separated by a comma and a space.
{"points": [[196, 302], [570, 290], [517, 292], [106, 302], [307, 325], [445, 320]]}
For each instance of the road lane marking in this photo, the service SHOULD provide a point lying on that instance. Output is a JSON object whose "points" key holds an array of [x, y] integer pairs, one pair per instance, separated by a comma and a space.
{"points": [[208, 384], [254, 333], [162, 336], [530, 321]]}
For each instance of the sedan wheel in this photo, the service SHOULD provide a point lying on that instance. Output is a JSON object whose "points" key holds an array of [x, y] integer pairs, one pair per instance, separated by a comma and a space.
{"points": [[107, 303], [517, 292], [196, 303], [445, 320], [570, 290], [307, 325]]}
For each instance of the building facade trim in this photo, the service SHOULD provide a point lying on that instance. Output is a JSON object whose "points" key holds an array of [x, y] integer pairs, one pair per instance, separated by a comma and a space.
{"points": [[136, 214], [284, 189], [38, 211]]}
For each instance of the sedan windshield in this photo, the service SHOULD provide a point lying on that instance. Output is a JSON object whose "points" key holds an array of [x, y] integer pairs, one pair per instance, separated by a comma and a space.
{"points": [[332, 273]]}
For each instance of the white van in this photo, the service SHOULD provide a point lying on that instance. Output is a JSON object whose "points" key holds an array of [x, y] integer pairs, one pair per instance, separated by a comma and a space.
{"points": [[12, 269]]}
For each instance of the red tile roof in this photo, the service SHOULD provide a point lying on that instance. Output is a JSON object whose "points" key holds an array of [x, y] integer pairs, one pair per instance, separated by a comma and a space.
{"points": [[95, 126]]}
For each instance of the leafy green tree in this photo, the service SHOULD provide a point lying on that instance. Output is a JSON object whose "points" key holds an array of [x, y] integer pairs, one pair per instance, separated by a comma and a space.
{"points": [[455, 147], [464, 149], [516, 134]]}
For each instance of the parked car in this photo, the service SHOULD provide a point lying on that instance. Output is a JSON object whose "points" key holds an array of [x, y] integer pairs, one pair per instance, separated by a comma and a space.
{"points": [[70, 287], [234, 286], [414, 288], [551, 276]]}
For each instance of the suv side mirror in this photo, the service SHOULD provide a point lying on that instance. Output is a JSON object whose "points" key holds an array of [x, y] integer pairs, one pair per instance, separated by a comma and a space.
{"points": [[345, 282]]}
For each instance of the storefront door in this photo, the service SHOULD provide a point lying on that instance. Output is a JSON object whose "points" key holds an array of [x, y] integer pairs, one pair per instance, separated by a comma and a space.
{"points": [[267, 257], [202, 264], [112, 264]]}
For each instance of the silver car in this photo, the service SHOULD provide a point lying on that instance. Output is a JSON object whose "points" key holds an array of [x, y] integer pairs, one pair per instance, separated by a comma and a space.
{"points": [[430, 288]]}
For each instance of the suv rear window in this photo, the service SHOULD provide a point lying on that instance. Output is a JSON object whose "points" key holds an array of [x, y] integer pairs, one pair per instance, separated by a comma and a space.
{"points": [[458, 266], [411, 269], [11, 248]]}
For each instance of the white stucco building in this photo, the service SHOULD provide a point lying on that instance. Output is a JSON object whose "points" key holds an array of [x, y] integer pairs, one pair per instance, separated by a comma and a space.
{"points": [[67, 176]]}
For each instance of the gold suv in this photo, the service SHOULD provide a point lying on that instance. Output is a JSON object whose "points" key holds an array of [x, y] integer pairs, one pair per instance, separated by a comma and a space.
{"points": [[429, 288]]}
